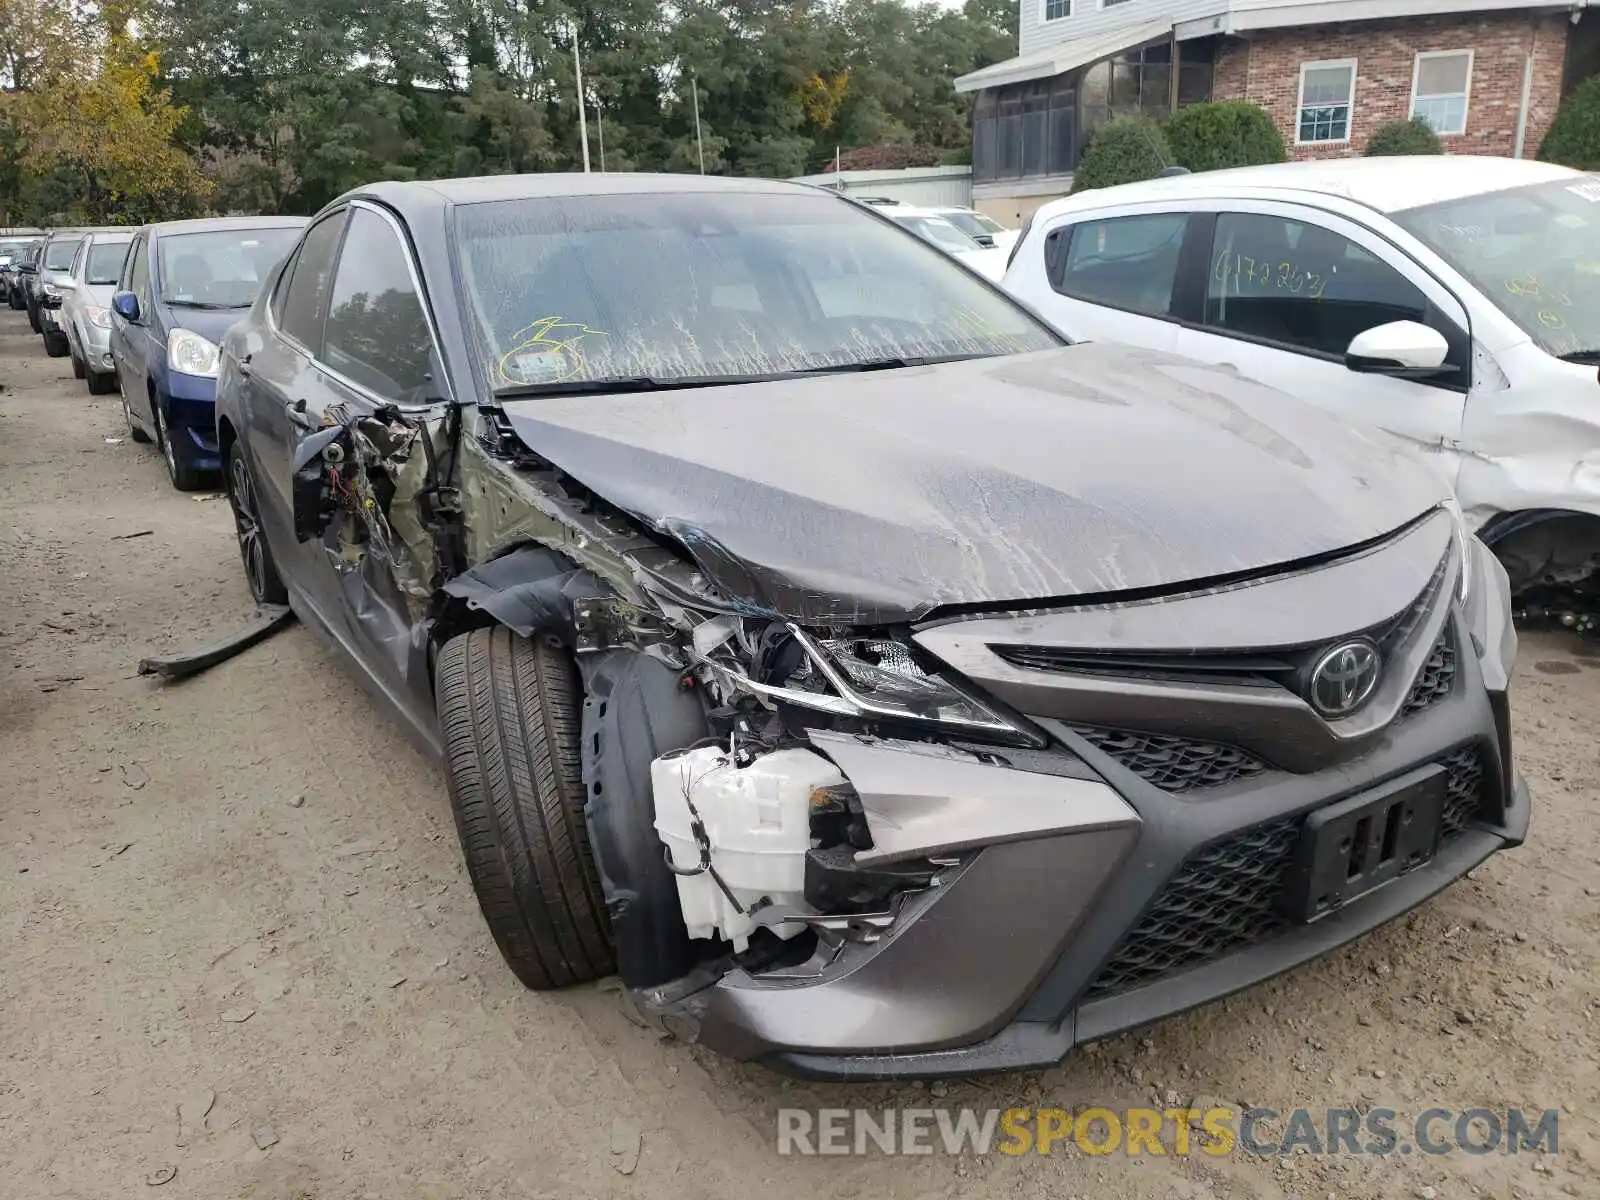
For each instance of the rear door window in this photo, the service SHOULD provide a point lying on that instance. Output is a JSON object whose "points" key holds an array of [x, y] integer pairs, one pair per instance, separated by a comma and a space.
{"points": [[307, 283], [1123, 262], [377, 332], [1302, 286]]}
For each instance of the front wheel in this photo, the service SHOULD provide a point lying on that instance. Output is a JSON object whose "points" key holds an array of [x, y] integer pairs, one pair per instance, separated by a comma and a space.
{"points": [[184, 477], [103, 384], [509, 713], [260, 572], [55, 344]]}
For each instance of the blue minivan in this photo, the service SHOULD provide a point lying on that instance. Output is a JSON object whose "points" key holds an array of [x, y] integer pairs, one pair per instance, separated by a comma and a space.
{"points": [[183, 285]]}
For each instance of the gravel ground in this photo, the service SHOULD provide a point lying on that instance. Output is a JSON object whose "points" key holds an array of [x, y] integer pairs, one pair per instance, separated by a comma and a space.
{"points": [[233, 916]]}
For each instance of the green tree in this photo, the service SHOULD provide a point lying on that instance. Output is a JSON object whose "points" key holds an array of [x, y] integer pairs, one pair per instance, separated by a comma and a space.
{"points": [[1123, 150], [1574, 137], [1224, 133]]}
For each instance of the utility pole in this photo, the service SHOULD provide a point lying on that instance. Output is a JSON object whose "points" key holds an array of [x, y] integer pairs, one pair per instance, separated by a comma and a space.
{"points": [[694, 86], [600, 130], [583, 120]]}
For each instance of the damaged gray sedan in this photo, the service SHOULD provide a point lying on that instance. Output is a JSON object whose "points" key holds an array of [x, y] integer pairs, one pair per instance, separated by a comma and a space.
{"points": [[874, 682]]}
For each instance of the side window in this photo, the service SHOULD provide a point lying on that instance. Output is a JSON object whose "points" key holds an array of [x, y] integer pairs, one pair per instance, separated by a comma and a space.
{"points": [[377, 333], [300, 314], [280, 291], [1124, 262], [137, 272], [1296, 283]]}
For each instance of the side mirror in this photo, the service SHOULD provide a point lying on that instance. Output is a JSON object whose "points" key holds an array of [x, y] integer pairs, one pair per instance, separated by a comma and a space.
{"points": [[1406, 349], [126, 306], [66, 283]]}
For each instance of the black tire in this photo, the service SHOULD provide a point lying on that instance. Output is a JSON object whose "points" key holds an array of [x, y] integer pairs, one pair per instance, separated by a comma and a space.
{"points": [[33, 319], [79, 369], [260, 571], [509, 714], [184, 477], [55, 345], [103, 383]]}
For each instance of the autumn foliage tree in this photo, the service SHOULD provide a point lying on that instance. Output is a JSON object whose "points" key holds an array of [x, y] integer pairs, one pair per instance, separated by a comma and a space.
{"points": [[113, 131]]}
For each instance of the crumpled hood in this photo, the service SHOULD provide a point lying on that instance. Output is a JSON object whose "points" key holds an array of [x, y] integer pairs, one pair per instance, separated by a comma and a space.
{"points": [[876, 497]]}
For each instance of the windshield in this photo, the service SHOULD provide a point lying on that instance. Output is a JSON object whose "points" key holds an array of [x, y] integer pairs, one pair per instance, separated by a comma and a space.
{"points": [[974, 224], [220, 268], [1533, 251], [59, 253], [13, 251], [105, 262], [708, 285], [936, 230]]}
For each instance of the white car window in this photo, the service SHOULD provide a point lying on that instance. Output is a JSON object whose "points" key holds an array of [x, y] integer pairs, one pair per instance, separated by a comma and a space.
{"points": [[1124, 262], [1533, 251], [1300, 285]]}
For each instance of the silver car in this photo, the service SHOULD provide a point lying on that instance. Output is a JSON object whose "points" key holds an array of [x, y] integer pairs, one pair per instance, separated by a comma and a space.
{"points": [[84, 317]]}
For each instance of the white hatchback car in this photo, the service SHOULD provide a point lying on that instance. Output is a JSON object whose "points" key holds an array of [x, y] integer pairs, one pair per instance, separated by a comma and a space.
{"points": [[1452, 300]]}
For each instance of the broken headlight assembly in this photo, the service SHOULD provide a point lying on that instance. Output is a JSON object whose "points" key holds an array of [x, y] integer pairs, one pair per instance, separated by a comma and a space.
{"points": [[866, 677]]}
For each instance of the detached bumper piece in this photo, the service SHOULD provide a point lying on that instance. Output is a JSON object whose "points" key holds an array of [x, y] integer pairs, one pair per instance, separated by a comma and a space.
{"points": [[267, 620]]}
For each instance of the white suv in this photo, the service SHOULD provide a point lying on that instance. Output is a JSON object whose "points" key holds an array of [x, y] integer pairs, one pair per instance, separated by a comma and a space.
{"points": [[1452, 300]]}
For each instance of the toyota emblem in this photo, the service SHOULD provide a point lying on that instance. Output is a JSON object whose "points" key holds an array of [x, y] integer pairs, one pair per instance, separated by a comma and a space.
{"points": [[1344, 678]]}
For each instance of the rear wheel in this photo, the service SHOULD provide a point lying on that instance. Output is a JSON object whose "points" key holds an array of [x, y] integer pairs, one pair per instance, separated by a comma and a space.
{"points": [[260, 572], [135, 430], [103, 384], [80, 369], [509, 713], [33, 319], [55, 344]]}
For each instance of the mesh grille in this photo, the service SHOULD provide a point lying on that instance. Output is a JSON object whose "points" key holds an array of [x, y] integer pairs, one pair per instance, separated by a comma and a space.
{"points": [[1464, 796], [1225, 897], [1222, 899], [1437, 679], [1174, 764]]}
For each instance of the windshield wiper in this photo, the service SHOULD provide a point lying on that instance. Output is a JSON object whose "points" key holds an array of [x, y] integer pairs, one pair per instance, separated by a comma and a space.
{"points": [[206, 304], [1585, 358], [622, 384]]}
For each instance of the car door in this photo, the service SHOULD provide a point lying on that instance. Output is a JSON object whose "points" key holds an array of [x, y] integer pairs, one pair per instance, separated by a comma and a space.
{"points": [[1113, 278], [284, 399], [129, 339], [1287, 287], [379, 349]]}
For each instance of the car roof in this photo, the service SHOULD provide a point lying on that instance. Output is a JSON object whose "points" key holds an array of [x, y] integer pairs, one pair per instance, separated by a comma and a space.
{"points": [[413, 198], [218, 224], [1387, 184]]}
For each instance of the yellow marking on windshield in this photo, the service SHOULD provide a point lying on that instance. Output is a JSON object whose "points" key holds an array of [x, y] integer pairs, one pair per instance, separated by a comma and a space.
{"points": [[548, 350]]}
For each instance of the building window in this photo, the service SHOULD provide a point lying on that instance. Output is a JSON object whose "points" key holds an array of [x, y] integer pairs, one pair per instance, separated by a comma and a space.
{"points": [[1111, 3], [1439, 85], [1055, 10], [1326, 91]]}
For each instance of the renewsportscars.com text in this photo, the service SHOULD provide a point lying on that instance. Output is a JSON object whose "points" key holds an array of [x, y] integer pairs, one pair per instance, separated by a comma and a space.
{"points": [[1165, 1131]]}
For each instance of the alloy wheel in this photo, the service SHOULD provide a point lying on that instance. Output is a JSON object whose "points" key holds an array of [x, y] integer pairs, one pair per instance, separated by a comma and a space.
{"points": [[243, 496]]}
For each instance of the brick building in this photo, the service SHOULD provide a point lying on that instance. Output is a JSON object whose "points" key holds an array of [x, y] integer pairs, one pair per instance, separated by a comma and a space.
{"points": [[1488, 76]]}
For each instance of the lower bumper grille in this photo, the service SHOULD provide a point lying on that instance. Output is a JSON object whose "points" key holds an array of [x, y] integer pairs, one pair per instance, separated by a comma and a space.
{"points": [[1174, 764], [1225, 897]]}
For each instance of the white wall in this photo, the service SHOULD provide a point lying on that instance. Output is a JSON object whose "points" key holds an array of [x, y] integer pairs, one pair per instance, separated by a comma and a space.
{"points": [[1088, 18], [909, 185]]}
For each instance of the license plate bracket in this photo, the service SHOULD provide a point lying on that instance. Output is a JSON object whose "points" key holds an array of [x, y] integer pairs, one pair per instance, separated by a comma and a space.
{"points": [[1354, 846]]}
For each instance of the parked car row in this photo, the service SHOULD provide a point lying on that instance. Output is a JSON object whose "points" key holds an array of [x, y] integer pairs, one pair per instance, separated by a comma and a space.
{"points": [[142, 309], [879, 679]]}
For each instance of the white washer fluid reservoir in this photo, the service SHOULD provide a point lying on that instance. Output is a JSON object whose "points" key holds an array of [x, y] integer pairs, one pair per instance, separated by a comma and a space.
{"points": [[757, 821]]}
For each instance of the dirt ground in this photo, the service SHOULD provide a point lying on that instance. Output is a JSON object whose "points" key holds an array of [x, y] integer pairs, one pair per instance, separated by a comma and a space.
{"points": [[233, 911]]}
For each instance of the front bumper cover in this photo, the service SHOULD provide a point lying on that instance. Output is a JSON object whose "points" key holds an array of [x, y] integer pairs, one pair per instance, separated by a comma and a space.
{"points": [[1073, 931]]}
